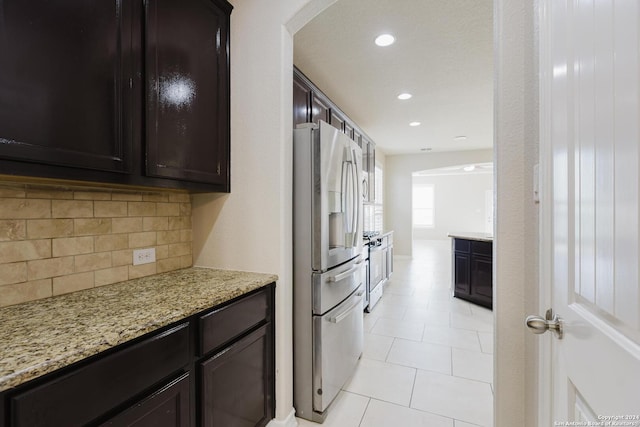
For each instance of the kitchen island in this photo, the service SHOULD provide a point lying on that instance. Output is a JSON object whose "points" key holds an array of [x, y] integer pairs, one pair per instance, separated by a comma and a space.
{"points": [[472, 267], [112, 353]]}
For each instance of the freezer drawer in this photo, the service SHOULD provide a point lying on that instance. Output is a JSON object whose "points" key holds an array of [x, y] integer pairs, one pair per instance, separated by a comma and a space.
{"points": [[338, 341], [332, 287]]}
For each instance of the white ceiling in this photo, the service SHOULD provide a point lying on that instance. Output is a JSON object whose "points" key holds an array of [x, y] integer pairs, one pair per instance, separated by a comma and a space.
{"points": [[443, 55]]}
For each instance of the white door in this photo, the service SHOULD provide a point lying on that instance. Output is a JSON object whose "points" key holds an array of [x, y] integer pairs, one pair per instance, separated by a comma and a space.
{"points": [[590, 158]]}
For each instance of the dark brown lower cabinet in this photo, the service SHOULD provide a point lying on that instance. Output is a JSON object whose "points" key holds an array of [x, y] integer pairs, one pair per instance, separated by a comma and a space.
{"points": [[473, 271], [237, 384], [168, 407], [84, 394], [215, 368]]}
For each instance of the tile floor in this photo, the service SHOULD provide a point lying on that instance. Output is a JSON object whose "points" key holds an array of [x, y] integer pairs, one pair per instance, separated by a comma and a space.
{"points": [[427, 358]]}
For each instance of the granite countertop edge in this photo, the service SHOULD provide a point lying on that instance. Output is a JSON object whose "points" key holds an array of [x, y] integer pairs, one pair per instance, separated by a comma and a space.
{"points": [[471, 235], [42, 336]]}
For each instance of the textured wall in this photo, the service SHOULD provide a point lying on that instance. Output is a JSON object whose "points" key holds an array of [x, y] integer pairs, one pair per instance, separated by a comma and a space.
{"points": [[516, 233], [55, 240]]}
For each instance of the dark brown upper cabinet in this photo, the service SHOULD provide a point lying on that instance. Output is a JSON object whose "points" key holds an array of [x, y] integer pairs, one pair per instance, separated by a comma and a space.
{"points": [[348, 130], [337, 120], [187, 90], [123, 92], [319, 109], [357, 137], [65, 98], [301, 101]]}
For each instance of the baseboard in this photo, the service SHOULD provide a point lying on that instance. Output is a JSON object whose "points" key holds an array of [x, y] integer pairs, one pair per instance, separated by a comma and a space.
{"points": [[289, 421]]}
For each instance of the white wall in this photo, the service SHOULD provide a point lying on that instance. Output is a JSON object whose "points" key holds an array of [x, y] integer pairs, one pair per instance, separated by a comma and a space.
{"points": [[398, 179], [459, 203]]}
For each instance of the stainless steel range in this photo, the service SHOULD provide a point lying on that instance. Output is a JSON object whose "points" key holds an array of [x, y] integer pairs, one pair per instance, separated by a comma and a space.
{"points": [[377, 272], [329, 270]]}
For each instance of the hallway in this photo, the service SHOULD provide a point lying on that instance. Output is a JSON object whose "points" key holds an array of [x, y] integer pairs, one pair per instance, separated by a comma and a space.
{"points": [[427, 359]]}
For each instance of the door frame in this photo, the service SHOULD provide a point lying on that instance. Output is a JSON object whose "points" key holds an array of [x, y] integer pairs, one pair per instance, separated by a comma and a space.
{"points": [[516, 227], [545, 253], [516, 250]]}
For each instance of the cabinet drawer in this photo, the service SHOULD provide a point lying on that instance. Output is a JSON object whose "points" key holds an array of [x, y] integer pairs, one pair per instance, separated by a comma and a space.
{"points": [[482, 248], [223, 324], [166, 407], [88, 392], [461, 245]]}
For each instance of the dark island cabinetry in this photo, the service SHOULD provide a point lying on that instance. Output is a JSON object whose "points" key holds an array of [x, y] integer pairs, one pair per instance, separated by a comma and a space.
{"points": [[473, 270], [123, 92], [215, 368]]}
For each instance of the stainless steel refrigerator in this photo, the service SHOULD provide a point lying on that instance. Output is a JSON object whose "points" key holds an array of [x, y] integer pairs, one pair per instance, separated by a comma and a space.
{"points": [[329, 271]]}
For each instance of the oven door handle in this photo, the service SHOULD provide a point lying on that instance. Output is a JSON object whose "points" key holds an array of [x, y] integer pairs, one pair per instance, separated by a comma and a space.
{"points": [[340, 317], [344, 275]]}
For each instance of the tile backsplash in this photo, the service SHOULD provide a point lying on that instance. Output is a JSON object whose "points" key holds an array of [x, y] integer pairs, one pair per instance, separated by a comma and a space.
{"points": [[55, 240]]}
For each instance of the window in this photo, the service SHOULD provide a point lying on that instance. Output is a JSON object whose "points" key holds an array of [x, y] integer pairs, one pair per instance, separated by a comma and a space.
{"points": [[423, 215]]}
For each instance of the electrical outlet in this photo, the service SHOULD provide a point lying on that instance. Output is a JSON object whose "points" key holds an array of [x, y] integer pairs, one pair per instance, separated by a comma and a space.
{"points": [[144, 256]]}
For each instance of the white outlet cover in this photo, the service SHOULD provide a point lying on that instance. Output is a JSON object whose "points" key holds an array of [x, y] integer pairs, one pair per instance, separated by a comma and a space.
{"points": [[144, 256]]}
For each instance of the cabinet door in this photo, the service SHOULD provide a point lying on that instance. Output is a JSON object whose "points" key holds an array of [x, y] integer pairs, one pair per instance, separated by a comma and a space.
{"points": [[301, 101], [168, 407], [337, 121], [187, 90], [481, 280], [357, 137], [64, 83], [319, 109], [348, 129], [461, 277], [237, 383]]}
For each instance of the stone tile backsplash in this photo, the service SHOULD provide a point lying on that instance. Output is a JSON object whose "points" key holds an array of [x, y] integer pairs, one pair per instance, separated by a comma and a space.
{"points": [[57, 240]]}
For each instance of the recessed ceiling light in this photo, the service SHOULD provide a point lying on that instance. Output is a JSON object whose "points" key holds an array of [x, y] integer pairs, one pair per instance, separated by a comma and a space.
{"points": [[414, 124], [460, 138], [426, 149], [404, 96], [469, 168], [385, 40]]}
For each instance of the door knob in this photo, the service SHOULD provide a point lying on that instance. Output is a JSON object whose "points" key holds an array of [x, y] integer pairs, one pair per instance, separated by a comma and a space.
{"points": [[538, 325]]}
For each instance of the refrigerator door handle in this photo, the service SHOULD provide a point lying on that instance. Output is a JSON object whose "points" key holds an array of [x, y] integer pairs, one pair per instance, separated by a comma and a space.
{"points": [[340, 317], [357, 199], [345, 201], [345, 274]]}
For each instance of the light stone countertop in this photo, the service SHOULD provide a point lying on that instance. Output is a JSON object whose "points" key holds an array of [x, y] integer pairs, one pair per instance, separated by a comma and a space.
{"points": [[470, 235], [42, 336]]}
